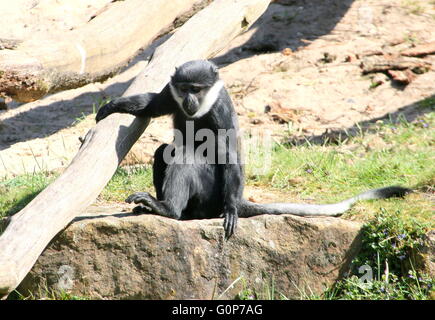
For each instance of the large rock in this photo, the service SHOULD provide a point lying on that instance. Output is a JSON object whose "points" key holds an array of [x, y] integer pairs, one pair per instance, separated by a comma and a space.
{"points": [[125, 256], [425, 256]]}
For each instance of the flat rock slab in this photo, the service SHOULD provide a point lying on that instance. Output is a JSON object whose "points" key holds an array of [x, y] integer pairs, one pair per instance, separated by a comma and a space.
{"points": [[124, 256]]}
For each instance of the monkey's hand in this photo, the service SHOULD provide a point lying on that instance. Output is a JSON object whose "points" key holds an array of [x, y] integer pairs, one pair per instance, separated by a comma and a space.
{"points": [[135, 105], [230, 221], [109, 108]]}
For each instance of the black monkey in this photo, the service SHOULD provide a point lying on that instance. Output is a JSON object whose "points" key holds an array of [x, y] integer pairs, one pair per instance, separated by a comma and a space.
{"points": [[207, 187]]}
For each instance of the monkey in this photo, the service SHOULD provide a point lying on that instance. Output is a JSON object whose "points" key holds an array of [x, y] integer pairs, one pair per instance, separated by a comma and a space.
{"points": [[206, 187]]}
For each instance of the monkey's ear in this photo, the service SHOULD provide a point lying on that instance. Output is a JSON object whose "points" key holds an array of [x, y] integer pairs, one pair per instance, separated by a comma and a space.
{"points": [[213, 69]]}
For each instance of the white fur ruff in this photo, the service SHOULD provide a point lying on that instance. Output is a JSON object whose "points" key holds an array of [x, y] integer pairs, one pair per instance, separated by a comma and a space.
{"points": [[206, 104]]}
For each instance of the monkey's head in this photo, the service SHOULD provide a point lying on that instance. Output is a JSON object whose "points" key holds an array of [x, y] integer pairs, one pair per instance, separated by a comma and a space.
{"points": [[195, 86]]}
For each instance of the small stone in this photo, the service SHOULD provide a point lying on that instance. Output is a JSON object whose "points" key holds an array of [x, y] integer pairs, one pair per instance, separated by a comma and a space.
{"points": [[287, 52]]}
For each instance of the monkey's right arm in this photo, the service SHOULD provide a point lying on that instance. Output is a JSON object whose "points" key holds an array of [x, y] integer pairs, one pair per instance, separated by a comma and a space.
{"points": [[141, 105]]}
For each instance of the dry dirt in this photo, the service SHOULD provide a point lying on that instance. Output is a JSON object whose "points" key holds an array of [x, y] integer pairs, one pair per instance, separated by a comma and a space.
{"points": [[25, 19], [301, 59]]}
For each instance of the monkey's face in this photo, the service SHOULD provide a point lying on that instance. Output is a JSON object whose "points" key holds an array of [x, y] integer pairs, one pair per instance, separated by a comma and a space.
{"points": [[190, 96], [195, 87]]}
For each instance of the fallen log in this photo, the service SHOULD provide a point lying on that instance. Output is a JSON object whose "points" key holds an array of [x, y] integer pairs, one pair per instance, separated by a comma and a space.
{"points": [[384, 63], [105, 145], [35, 67], [420, 50]]}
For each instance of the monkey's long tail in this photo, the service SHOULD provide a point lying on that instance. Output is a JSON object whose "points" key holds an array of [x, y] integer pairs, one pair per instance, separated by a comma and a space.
{"points": [[249, 209]]}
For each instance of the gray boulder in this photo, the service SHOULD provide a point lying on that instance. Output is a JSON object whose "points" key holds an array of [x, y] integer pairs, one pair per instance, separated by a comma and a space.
{"points": [[126, 256]]}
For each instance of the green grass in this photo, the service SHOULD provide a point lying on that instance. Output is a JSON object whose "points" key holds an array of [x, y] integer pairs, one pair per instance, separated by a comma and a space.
{"points": [[391, 248], [48, 294], [16, 193], [127, 181], [392, 154], [266, 292], [427, 103]]}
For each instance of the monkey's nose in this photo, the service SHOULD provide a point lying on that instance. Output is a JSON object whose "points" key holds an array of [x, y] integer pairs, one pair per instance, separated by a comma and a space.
{"points": [[190, 104]]}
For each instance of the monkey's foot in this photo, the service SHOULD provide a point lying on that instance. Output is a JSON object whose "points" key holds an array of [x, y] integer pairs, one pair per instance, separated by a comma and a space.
{"points": [[141, 197], [149, 202], [141, 209]]}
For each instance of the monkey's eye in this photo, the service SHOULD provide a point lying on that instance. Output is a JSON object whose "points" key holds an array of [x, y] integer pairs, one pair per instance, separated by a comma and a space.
{"points": [[195, 89], [183, 88]]}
